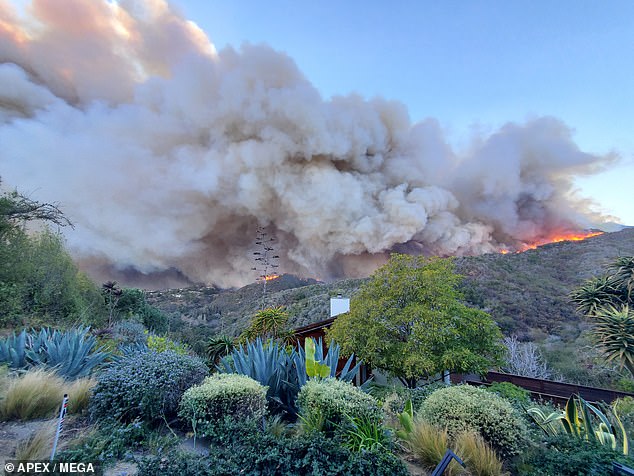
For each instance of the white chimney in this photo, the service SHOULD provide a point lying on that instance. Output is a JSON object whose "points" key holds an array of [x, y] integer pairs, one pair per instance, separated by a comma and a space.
{"points": [[339, 305]]}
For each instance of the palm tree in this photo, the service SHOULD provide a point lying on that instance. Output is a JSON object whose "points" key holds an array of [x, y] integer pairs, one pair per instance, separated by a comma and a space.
{"points": [[219, 346], [614, 333]]}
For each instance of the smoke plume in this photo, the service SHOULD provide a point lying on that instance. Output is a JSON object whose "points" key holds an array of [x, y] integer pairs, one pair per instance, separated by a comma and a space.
{"points": [[168, 155]]}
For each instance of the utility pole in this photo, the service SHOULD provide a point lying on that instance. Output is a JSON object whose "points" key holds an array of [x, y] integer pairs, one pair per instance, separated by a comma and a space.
{"points": [[266, 260]]}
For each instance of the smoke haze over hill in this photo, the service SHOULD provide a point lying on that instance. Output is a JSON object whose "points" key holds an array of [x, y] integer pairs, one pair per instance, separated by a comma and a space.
{"points": [[167, 154]]}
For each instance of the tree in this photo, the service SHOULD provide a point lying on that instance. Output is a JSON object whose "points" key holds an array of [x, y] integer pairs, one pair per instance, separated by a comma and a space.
{"points": [[409, 321], [524, 358], [613, 332], [269, 323], [218, 347], [15, 208], [607, 301]]}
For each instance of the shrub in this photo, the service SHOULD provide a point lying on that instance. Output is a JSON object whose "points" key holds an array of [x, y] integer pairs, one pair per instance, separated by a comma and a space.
{"points": [[260, 453], [162, 344], [107, 442], [147, 385], [334, 399], [564, 455], [221, 397], [514, 394], [393, 398], [128, 332], [466, 408]]}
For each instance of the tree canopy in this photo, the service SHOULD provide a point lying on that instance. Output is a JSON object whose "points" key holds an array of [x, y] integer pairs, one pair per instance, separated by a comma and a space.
{"points": [[39, 281], [609, 303], [409, 321]]}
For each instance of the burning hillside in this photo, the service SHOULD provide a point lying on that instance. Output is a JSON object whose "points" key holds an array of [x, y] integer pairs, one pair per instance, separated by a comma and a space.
{"points": [[556, 238], [169, 155]]}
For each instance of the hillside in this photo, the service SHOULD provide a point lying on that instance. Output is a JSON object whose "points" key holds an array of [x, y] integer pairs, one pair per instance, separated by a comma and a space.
{"points": [[524, 292]]}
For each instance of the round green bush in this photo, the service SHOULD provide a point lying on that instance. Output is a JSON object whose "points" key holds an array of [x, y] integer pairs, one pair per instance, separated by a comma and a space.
{"points": [[223, 397], [466, 408], [146, 385], [334, 399], [514, 394]]}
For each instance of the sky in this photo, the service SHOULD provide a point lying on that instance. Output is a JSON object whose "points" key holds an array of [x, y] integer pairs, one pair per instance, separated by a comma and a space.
{"points": [[473, 66]]}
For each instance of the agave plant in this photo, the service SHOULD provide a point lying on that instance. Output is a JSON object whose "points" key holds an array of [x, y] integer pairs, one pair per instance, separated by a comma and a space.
{"points": [[72, 354], [584, 420], [284, 371], [270, 365], [331, 360], [13, 350]]}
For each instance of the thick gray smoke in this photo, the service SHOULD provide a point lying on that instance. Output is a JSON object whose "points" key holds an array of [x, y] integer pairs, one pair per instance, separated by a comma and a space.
{"points": [[167, 155]]}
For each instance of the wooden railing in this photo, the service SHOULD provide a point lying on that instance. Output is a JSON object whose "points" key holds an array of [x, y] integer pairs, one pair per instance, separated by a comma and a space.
{"points": [[546, 389]]}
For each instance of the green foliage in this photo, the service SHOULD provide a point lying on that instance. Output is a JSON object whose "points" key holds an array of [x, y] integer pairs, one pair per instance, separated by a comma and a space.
{"points": [[39, 279], [614, 334], [584, 421], [466, 408], [163, 344], [564, 455], [146, 385], [269, 323], [364, 434], [259, 453], [406, 420], [129, 332], [514, 394], [408, 320], [220, 396], [270, 365], [281, 370], [219, 347], [394, 397], [326, 363], [111, 441], [336, 401], [314, 368]]}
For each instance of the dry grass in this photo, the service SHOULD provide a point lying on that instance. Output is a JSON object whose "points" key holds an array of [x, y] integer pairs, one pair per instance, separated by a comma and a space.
{"points": [[429, 444], [35, 394], [38, 394], [480, 459], [79, 393], [38, 445]]}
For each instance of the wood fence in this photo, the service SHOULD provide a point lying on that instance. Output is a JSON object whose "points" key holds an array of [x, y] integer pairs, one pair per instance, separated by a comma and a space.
{"points": [[558, 392]]}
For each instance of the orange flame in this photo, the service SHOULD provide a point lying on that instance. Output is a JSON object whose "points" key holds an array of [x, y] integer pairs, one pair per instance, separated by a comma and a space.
{"points": [[270, 277], [558, 238]]}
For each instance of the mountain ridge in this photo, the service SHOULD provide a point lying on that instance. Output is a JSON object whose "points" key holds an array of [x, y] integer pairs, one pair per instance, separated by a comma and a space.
{"points": [[526, 293]]}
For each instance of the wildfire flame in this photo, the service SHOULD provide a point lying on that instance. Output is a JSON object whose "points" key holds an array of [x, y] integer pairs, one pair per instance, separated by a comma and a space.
{"points": [[270, 277], [573, 236]]}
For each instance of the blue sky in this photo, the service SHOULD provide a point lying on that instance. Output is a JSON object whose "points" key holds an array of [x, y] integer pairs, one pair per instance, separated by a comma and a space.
{"points": [[472, 65]]}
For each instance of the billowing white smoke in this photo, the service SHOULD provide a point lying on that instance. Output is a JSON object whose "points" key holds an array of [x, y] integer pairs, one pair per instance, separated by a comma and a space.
{"points": [[168, 155]]}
